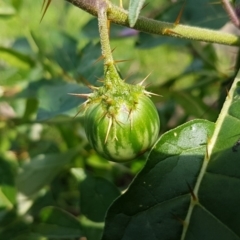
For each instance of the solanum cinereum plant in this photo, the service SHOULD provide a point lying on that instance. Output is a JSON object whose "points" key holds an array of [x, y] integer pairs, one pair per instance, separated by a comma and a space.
{"points": [[120, 120]]}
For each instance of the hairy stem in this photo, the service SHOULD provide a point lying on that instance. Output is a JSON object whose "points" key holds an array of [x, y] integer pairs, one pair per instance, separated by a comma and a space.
{"points": [[103, 32], [111, 76], [120, 16]]}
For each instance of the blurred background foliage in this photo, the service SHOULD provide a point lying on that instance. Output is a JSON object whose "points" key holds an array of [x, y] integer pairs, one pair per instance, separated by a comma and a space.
{"points": [[52, 184]]}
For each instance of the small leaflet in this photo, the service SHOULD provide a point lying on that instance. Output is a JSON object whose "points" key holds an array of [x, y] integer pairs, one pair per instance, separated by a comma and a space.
{"points": [[134, 10]]}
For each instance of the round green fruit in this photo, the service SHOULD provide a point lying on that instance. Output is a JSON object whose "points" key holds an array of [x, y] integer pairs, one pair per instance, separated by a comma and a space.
{"points": [[121, 126]]}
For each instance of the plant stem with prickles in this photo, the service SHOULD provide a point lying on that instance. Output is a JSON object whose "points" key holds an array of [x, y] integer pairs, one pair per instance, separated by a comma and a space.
{"points": [[111, 76]]}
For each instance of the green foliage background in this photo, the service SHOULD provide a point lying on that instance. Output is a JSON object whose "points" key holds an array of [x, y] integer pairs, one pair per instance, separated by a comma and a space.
{"points": [[52, 184]]}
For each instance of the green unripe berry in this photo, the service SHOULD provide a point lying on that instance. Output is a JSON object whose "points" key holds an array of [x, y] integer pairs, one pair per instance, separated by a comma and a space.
{"points": [[122, 123]]}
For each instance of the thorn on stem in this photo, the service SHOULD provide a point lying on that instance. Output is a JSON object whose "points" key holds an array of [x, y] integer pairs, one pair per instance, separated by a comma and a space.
{"points": [[178, 219], [102, 57], [194, 197], [227, 93], [45, 9], [207, 154], [177, 21], [170, 32]]}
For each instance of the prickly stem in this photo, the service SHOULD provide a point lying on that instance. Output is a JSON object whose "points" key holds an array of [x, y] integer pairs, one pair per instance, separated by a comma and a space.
{"points": [[103, 30]]}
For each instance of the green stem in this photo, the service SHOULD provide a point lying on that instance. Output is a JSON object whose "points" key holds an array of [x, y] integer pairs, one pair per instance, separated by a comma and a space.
{"points": [[111, 76], [120, 16], [104, 36]]}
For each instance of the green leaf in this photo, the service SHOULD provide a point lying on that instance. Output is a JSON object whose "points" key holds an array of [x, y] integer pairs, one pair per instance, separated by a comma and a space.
{"points": [[22, 45], [149, 41], [218, 182], [92, 230], [89, 70], [17, 4], [96, 195], [41, 170], [190, 183], [193, 105], [7, 183], [65, 51], [16, 58], [7, 11], [160, 194], [57, 224], [14, 229], [30, 109], [134, 10], [53, 97]]}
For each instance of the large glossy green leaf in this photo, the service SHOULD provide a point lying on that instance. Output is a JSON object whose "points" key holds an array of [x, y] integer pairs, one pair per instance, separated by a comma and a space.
{"points": [[218, 183], [189, 187], [161, 192]]}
